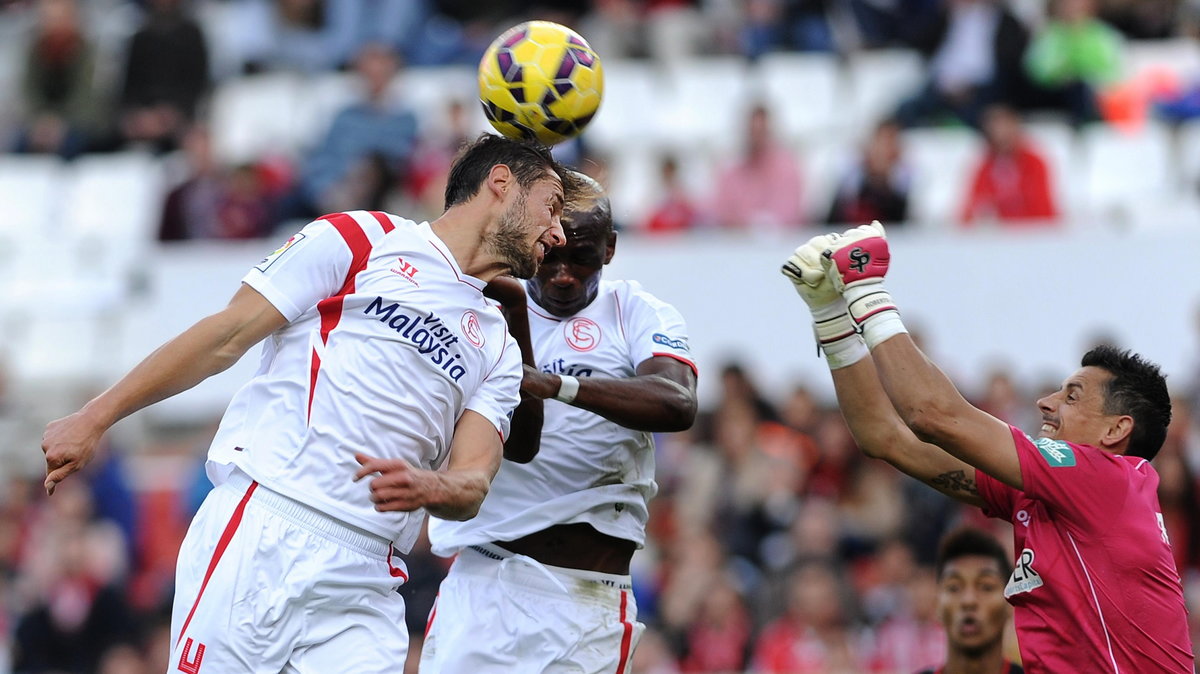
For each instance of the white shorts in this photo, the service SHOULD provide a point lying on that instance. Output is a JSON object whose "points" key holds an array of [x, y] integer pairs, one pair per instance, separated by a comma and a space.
{"points": [[267, 584], [500, 612]]}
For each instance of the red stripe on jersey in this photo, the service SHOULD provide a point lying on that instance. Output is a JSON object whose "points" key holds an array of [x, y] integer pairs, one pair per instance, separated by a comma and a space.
{"points": [[384, 221], [432, 615], [396, 571], [681, 359], [627, 636], [234, 521], [358, 243], [330, 308], [314, 368]]}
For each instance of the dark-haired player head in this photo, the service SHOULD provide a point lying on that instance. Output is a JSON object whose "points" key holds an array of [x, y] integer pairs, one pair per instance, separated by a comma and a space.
{"points": [[972, 569], [569, 276], [530, 190], [1115, 401]]}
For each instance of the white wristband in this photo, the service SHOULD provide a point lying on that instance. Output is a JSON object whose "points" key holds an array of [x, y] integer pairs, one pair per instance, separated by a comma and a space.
{"points": [[568, 389]]}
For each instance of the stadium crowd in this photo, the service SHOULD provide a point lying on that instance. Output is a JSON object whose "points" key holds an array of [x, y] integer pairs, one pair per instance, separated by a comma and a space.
{"points": [[770, 530]]}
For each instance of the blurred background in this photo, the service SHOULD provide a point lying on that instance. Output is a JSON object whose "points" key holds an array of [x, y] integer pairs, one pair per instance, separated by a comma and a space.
{"points": [[1037, 163]]}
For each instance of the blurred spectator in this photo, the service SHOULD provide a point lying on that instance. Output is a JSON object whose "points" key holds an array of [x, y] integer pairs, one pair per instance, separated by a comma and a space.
{"points": [[676, 211], [653, 655], [877, 186], [760, 190], [61, 104], [719, 637], [815, 636], [76, 609], [1070, 58], [975, 54], [1011, 183], [166, 75], [431, 160], [368, 144], [1179, 485], [212, 203], [912, 636], [309, 36]]}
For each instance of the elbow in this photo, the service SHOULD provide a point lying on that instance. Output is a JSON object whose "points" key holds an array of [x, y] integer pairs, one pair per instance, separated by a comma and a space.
{"points": [[926, 422], [681, 413]]}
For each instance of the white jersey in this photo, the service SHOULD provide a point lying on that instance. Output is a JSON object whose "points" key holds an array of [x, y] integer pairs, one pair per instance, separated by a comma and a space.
{"points": [[387, 343], [589, 469]]}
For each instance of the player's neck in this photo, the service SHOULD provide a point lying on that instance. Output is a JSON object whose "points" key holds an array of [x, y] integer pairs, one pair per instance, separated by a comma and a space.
{"points": [[462, 229], [990, 662]]}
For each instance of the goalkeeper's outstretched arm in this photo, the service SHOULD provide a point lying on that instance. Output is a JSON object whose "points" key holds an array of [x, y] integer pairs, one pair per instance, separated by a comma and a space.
{"points": [[882, 434]]}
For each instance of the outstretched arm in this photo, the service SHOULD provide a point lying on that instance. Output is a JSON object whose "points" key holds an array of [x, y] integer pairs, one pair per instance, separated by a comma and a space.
{"points": [[924, 397], [937, 413], [207, 348], [881, 434], [660, 398]]}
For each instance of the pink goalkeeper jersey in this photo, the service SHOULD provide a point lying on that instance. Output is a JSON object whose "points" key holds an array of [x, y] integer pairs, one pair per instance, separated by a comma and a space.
{"points": [[1094, 586]]}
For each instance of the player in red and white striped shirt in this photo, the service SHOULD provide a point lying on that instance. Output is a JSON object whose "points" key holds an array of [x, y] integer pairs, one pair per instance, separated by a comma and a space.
{"points": [[382, 354]]}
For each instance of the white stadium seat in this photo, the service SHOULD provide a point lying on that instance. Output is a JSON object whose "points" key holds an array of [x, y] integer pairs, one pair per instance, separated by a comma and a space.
{"points": [[254, 116], [1180, 57], [804, 92], [705, 102], [1123, 168], [943, 161], [878, 81], [31, 191]]}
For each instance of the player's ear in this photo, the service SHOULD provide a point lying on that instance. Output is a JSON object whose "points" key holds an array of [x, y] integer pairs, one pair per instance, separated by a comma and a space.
{"points": [[500, 180], [610, 247], [1119, 430]]}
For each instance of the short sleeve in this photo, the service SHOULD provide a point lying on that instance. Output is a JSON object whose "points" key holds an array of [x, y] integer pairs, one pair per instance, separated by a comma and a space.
{"points": [[310, 267], [1085, 484], [999, 499], [655, 328], [497, 397]]}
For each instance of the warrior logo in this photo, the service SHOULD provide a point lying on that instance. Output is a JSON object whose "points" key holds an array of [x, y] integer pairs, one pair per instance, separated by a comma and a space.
{"points": [[582, 334], [859, 259]]}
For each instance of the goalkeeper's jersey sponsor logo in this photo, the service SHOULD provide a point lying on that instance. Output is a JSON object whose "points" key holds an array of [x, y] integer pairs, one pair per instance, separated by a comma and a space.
{"points": [[1057, 453], [1024, 578]]}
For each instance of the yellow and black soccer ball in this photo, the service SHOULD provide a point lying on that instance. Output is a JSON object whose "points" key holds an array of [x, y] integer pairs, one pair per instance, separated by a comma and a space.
{"points": [[540, 80]]}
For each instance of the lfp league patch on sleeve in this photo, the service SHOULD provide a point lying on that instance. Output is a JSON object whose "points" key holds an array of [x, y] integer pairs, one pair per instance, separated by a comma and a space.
{"points": [[270, 259], [1057, 453]]}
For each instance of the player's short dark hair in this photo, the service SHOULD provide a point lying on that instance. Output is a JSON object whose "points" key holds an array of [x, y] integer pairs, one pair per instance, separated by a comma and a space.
{"points": [[1137, 388], [972, 542], [528, 160]]}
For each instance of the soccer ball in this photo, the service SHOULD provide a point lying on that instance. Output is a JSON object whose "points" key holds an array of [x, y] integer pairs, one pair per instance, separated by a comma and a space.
{"points": [[540, 80]]}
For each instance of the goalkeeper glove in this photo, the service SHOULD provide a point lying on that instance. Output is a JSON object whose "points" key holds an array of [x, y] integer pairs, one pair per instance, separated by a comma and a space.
{"points": [[835, 333], [856, 264]]}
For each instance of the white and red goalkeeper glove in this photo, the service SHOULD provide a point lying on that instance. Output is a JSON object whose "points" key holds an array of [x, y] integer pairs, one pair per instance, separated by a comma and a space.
{"points": [[856, 265], [835, 333]]}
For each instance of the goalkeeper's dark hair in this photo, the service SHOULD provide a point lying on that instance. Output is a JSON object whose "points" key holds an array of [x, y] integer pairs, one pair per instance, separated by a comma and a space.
{"points": [[528, 161], [1139, 389], [972, 542]]}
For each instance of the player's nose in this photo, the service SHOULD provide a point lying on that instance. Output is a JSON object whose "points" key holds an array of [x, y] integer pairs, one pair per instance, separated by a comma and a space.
{"points": [[558, 237]]}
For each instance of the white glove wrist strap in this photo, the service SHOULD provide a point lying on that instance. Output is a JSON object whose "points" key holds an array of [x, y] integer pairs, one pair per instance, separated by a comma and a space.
{"points": [[874, 312], [568, 389], [836, 335]]}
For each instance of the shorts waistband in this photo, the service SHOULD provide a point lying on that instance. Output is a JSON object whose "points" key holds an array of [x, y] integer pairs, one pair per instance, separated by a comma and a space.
{"points": [[308, 517], [474, 553]]}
